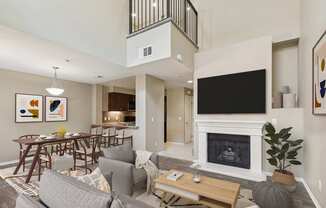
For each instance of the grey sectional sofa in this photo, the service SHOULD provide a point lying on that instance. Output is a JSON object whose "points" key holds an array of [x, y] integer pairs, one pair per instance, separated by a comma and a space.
{"points": [[59, 191]]}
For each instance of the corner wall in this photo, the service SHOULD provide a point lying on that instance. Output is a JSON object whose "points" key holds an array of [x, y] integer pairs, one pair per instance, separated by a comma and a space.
{"points": [[79, 109], [313, 24]]}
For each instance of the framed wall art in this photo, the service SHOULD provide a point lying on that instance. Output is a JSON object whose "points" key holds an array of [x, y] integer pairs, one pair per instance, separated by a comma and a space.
{"points": [[29, 108], [56, 109], [319, 77]]}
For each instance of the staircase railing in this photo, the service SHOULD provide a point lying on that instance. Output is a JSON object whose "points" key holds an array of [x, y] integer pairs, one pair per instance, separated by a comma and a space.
{"points": [[147, 13]]}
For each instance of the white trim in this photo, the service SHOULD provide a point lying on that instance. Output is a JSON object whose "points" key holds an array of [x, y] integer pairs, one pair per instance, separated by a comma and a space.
{"points": [[9, 163], [300, 179], [176, 143], [253, 129], [312, 196], [12, 162]]}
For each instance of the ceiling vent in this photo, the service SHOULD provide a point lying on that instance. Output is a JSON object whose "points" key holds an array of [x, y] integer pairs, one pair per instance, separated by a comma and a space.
{"points": [[145, 52]]}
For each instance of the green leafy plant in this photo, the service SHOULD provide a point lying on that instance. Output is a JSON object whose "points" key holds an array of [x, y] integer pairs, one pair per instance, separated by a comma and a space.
{"points": [[283, 151]]}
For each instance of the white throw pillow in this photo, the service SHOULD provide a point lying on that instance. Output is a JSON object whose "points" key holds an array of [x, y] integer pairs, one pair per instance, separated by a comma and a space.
{"points": [[97, 180]]}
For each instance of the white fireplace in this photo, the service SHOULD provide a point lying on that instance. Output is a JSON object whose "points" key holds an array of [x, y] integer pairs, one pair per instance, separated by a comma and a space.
{"points": [[252, 129]]}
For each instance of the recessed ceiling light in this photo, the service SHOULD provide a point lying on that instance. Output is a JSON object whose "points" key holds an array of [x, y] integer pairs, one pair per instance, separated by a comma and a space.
{"points": [[67, 60], [154, 4], [189, 81], [99, 76], [134, 15], [188, 8]]}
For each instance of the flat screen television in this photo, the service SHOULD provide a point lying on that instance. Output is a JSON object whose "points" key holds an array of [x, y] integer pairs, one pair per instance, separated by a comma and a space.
{"points": [[233, 94]]}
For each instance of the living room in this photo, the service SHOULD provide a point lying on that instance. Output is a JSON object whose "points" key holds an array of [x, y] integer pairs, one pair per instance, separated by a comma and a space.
{"points": [[253, 74]]}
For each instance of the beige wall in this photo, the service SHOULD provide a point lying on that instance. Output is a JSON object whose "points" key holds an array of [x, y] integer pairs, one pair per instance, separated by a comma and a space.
{"points": [[224, 22], [79, 109], [253, 54], [175, 115], [313, 24]]}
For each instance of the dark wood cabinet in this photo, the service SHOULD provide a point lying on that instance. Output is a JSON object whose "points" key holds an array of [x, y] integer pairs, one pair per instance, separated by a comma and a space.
{"points": [[120, 101]]}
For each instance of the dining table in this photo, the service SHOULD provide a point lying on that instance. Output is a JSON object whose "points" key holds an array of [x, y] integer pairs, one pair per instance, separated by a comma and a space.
{"points": [[41, 142]]}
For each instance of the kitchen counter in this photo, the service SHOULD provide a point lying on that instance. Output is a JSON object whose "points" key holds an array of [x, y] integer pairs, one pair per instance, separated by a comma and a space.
{"points": [[120, 126]]}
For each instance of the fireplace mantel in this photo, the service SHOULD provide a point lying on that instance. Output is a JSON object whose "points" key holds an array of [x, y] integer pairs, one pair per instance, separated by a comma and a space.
{"points": [[249, 128]]}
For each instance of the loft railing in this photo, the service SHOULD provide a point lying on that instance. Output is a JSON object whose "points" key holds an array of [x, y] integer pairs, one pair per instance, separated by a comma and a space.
{"points": [[146, 13]]}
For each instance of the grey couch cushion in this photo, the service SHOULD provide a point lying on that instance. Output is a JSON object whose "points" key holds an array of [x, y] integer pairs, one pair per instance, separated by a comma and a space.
{"points": [[120, 153], [24, 201], [59, 191], [139, 175]]}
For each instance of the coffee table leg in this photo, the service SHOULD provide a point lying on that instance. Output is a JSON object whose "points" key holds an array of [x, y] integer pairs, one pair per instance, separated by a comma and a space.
{"points": [[162, 204]]}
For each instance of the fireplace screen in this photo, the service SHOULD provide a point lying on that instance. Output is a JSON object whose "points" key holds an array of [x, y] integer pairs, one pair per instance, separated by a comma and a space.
{"points": [[231, 150]]}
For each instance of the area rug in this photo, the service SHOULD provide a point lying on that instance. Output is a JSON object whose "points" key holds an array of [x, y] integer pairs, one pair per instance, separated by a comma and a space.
{"points": [[244, 201]]}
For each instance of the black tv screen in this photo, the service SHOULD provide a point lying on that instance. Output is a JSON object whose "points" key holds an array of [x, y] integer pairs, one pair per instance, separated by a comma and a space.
{"points": [[233, 94]]}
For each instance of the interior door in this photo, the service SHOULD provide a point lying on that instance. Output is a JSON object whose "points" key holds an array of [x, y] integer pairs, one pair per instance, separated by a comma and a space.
{"points": [[188, 119]]}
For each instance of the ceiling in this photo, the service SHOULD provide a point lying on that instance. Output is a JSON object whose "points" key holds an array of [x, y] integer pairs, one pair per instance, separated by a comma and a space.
{"points": [[37, 35]]}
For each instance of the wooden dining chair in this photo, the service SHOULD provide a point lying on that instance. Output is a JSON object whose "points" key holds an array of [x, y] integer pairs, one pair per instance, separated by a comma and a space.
{"points": [[87, 152], [123, 136], [22, 148], [108, 136]]}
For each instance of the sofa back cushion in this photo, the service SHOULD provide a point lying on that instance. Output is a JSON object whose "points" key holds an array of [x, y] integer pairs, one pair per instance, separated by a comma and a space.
{"points": [[120, 153], [59, 191]]}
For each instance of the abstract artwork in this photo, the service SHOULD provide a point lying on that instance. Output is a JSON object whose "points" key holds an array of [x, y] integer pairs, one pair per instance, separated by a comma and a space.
{"points": [[29, 108], [55, 109], [319, 76]]}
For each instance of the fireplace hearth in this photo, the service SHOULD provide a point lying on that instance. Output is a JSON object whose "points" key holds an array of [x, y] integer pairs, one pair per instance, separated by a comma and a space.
{"points": [[230, 150]]}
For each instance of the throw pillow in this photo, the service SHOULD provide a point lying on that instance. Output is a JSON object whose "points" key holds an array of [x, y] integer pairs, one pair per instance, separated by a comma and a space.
{"points": [[97, 180], [120, 154]]}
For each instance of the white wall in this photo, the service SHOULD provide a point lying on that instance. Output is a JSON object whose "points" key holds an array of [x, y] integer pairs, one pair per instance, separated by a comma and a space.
{"points": [[96, 27], [313, 24], [223, 22], [79, 109], [250, 55], [176, 115], [166, 41], [285, 66], [154, 114], [149, 113], [160, 40]]}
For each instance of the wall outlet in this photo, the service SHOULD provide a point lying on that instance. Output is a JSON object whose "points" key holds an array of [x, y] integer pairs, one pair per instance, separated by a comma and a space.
{"points": [[320, 186]]}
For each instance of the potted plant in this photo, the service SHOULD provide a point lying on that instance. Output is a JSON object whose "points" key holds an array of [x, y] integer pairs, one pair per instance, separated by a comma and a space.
{"points": [[283, 153]]}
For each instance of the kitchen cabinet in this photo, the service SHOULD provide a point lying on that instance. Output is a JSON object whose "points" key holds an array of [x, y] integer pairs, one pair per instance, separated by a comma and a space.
{"points": [[120, 101]]}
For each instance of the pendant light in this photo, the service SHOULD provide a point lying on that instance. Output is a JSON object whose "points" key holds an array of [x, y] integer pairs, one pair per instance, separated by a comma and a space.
{"points": [[56, 88]]}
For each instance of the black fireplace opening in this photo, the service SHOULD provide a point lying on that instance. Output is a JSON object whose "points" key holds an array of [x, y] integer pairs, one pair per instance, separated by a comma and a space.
{"points": [[231, 150]]}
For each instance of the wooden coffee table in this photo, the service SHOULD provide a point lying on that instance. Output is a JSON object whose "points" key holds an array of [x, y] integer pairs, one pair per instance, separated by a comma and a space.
{"points": [[211, 192]]}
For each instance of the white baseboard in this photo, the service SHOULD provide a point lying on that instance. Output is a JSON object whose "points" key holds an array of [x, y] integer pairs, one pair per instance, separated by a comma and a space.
{"points": [[175, 143], [13, 162], [300, 179], [9, 163], [312, 196]]}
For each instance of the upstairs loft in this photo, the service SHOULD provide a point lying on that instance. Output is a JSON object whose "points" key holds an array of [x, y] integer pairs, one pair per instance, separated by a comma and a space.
{"points": [[146, 14], [162, 34]]}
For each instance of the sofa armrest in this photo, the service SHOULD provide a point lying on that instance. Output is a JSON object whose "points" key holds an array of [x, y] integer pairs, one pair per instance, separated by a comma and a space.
{"points": [[122, 179], [24, 201]]}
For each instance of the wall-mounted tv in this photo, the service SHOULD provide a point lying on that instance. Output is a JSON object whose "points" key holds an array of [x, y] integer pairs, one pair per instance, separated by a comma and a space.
{"points": [[232, 94]]}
